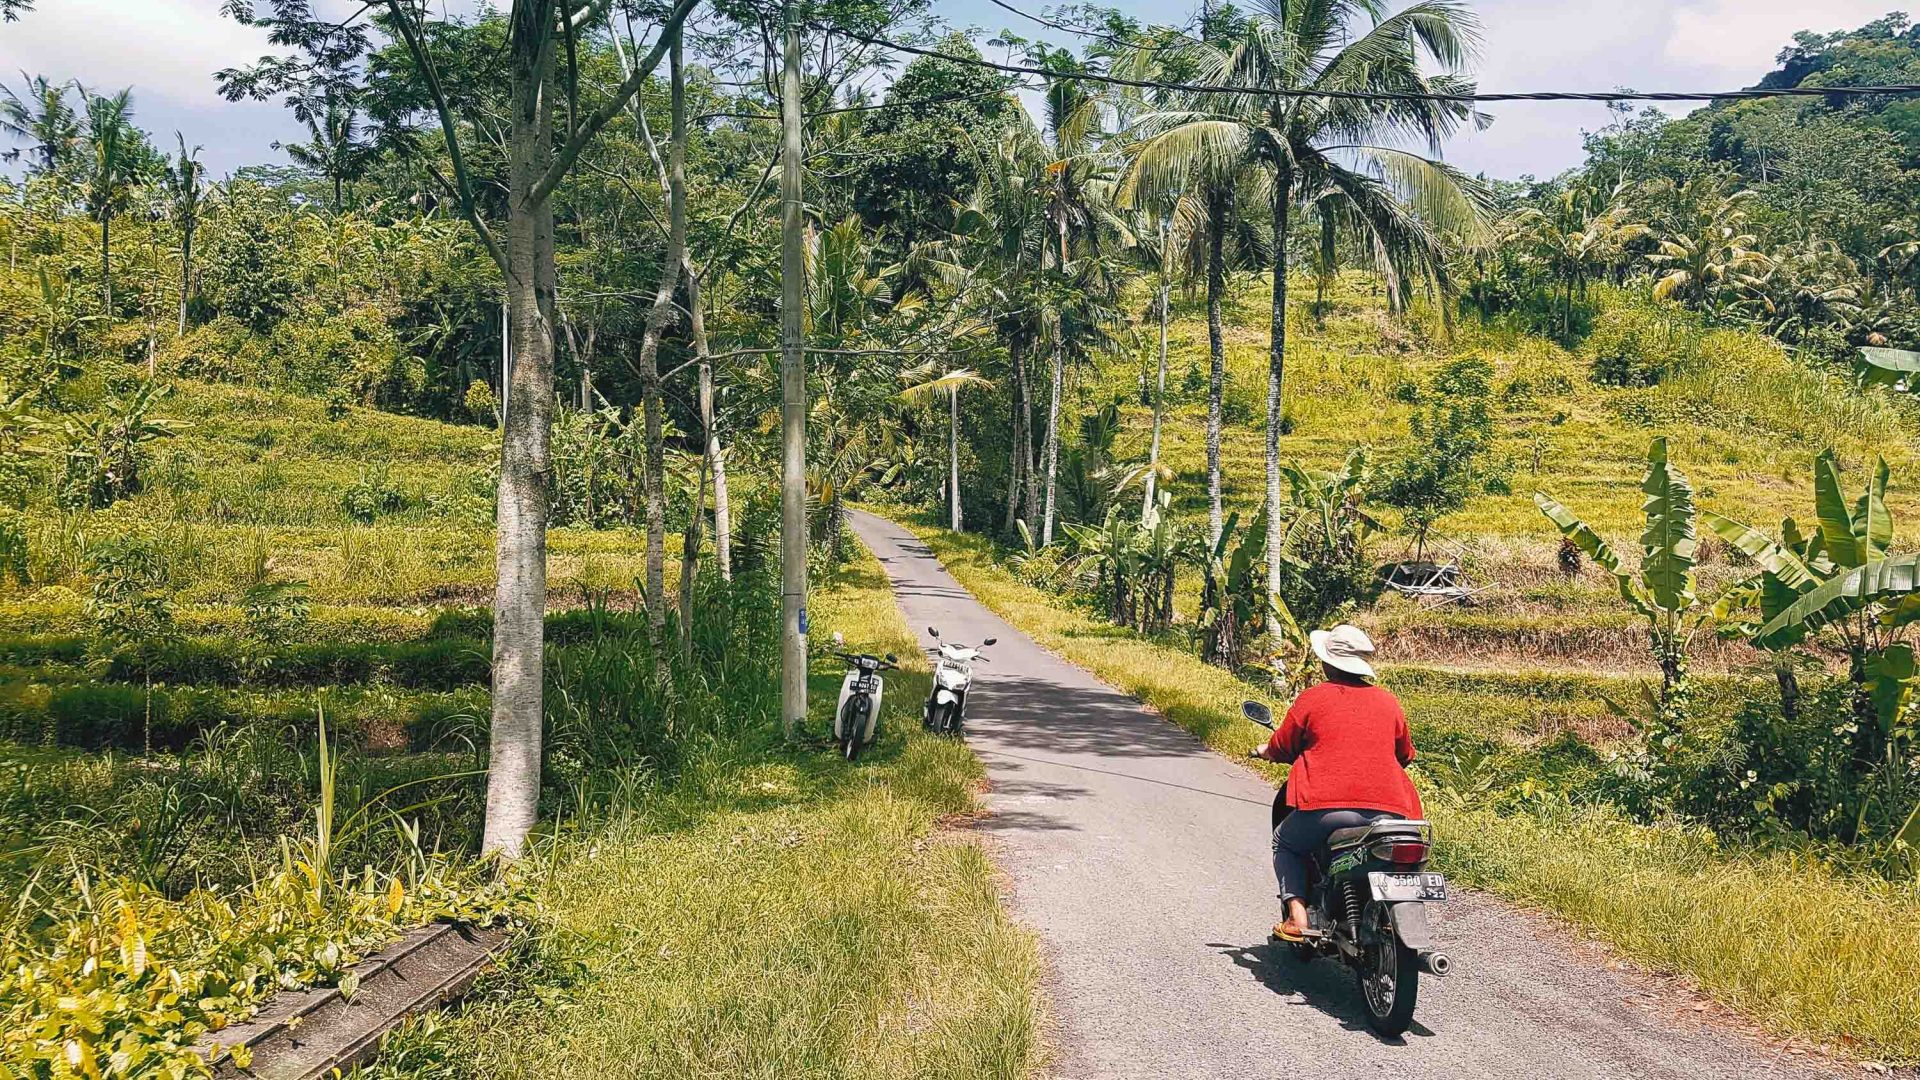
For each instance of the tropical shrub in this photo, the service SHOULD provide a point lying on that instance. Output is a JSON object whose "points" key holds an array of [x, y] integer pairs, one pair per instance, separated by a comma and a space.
{"points": [[1446, 463], [1639, 344]]}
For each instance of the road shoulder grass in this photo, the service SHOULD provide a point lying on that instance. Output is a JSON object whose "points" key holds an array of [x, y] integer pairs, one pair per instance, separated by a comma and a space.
{"points": [[778, 914], [1806, 950]]}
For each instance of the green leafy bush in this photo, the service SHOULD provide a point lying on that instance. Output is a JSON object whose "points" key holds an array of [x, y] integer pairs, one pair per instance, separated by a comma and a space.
{"points": [[373, 495], [1636, 344]]}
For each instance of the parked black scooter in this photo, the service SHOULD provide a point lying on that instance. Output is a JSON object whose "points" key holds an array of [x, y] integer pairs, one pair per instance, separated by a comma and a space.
{"points": [[1367, 892]]}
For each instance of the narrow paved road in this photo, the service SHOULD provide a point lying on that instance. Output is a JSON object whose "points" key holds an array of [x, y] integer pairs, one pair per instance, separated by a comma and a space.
{"points": [[1139, 857]]}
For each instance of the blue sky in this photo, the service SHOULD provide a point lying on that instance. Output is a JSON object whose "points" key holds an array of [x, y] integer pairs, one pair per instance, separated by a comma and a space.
{"points": [[168, 50]]}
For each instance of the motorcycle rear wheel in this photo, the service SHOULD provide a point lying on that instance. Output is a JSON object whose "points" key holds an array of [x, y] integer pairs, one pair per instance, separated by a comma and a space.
{"points": [[1389, 981]]}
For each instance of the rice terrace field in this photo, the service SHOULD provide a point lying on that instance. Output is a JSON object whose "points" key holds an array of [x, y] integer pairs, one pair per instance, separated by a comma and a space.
{"points": [[432, 437]]}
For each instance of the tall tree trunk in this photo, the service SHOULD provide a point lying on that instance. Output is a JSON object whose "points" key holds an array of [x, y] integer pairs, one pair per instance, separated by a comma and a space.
{"points": [[520, 591], [1017, 452], [953, 455], [690, 561], [654, 474], [1276, 379], [793, 401], [716, 458], [1054, 392], [1219, 210], [1160, 384], [106, 265], [1030, 454], [186, 271]]}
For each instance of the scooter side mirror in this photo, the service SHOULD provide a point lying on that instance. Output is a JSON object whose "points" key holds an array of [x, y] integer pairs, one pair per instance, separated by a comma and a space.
{"points": [[932, 631], [892, 659], [1257, 712], [989, 641]]}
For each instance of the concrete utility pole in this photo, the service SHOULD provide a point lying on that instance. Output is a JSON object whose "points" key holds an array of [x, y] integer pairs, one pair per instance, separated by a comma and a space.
{"points": [[793, 401]]}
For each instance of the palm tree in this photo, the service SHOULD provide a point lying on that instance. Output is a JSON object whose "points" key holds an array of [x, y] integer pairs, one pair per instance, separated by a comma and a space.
{"points": [[1709, 255], [1077, 182], [333, 149], [1579, 234], [184, 190], [116, 157], [1001, 230], [923, 384], [43, 119], [1308, 148]]}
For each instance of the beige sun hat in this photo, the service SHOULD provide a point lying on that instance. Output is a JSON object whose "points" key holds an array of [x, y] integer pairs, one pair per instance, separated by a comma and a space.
{"points": [[1345, 647]]}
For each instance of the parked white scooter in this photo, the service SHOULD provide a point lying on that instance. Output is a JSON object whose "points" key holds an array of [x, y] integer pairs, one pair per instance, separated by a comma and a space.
{"points": [[946, 708], [858, 713]]}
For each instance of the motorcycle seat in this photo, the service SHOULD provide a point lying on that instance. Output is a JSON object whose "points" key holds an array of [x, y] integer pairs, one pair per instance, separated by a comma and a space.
{"points": [[1379, 830]]}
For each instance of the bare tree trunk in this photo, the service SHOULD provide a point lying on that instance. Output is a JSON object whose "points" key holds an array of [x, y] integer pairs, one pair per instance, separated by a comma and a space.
{"points": [[653, 475], [953, 454], [1276, 376], [1054, 393], [1029, 453], [1219, 209], [520, 591], [106, 266], [1160, 386], [793, 402], [715, 459], [1016, 454], [690, 561], [186, 271]]}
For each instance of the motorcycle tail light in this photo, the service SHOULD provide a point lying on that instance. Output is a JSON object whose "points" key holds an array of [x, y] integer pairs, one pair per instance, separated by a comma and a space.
{"points": [[1402, 852]]}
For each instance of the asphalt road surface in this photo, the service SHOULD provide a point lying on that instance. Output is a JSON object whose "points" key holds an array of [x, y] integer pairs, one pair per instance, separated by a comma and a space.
{"points": [[1139, 857]]}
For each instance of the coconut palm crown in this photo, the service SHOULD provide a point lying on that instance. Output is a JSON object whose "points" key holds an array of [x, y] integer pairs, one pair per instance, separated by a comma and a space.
{"points": [[1342, 156]]}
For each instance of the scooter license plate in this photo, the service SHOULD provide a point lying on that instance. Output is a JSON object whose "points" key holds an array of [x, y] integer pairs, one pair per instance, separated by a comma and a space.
{"points": [[1392, 888]]}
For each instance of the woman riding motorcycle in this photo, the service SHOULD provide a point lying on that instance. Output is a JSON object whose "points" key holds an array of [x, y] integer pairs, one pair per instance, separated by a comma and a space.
{"points": [[1348, 742]]}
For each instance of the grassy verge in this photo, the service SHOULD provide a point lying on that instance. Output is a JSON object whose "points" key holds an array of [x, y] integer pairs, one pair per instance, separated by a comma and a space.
{"points": [[775, 913], [1798, 945]]}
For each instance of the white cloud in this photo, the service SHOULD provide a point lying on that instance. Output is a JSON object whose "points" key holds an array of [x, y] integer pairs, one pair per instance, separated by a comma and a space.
{"points": [[165, 49], [1739, 38]]}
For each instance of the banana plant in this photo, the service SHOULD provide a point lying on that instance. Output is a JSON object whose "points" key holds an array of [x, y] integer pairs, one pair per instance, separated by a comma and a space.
{"points": [[1236, 606], [1839, 583], [1662, 588]]}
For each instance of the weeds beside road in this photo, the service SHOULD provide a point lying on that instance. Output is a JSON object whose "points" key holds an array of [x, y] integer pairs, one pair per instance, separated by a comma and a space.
{"points": [[775, 913]]}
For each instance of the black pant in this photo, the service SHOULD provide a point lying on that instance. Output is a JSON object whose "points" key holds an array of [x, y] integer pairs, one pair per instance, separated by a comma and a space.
{"points": [[1304, 832]]}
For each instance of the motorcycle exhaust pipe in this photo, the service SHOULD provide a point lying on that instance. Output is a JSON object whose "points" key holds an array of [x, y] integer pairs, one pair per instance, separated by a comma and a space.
{"points": [[1435, 963]]}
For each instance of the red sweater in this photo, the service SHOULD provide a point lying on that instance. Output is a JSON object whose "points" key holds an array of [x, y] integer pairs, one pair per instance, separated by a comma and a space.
{"points": [[1348, 746]]}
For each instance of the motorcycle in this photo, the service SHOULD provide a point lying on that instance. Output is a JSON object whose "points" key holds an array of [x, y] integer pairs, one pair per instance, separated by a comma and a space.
{"points": [[857, 715], [1367, 893], [945, 709]]}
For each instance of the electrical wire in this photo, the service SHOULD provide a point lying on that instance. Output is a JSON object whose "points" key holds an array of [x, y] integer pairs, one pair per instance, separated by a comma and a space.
{"points": [[1895, 90]]}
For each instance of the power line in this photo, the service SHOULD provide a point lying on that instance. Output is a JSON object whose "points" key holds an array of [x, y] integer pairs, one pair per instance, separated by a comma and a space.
{"points": [[1896, 90]]}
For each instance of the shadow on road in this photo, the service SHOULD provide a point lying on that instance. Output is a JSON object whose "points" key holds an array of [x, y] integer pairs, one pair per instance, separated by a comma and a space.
{"points": [[1324, 985]]}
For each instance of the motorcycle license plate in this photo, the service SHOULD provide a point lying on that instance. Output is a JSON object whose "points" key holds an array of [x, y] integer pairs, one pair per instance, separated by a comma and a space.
{"points": [[1392, 888]]}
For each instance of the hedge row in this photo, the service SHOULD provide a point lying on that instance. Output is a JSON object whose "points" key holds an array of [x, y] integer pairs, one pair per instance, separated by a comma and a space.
{"points": [[442, 664], [100, 716]]}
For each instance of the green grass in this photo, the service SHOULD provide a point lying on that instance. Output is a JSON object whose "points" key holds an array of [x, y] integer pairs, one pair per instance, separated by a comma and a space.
{"points": [[776, 913], [1798, 945]]}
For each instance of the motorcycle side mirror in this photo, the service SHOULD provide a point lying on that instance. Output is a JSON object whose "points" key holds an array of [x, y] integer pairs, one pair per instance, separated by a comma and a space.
{"points": [[839, 639], [892, 659], [932, 631], [1257, 712], [989, 641]]}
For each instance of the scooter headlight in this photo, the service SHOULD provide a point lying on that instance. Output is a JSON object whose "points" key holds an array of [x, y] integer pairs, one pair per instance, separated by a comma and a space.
{"points": [[953, 678]]}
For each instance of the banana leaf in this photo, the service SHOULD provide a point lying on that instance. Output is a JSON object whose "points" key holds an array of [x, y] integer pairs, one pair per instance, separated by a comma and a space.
{"points": [[1889, 680], [1669, 543], [1890, 367], [1840, 597], [1838, 532], [1872, 522], [1597, 549], [1775, 559]]}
